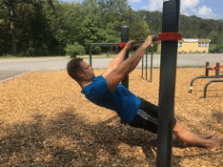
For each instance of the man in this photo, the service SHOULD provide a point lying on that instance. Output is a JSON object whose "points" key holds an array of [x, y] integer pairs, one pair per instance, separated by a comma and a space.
{"points": [[106, 91]]}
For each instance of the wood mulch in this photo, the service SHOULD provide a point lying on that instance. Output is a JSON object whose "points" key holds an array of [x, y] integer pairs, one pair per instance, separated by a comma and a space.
{"points": [[46, 121]]}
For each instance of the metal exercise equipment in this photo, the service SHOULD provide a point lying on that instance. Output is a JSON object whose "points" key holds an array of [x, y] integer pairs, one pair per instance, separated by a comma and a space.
{"points": [[206, 76], [124, 39], [170, 37], [210, 82]]}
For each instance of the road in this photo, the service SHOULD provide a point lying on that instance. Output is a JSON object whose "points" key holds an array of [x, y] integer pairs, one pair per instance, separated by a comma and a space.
{"points": [[12, 67]]}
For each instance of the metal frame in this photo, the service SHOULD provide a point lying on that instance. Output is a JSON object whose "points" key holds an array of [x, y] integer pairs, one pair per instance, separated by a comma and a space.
{"points": [[124, 39], [201, 77], [206, 86], [206, 76]]}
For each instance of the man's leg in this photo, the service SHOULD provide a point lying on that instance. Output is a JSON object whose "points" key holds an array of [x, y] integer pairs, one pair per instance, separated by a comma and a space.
{"points": [[147, 118], [206, 140]]}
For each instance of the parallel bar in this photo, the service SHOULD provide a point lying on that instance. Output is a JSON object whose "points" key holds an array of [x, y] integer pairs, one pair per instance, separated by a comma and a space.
{"points": [[138, 43], [206, 86], [99, 44], [171, 12], [201, 77]]}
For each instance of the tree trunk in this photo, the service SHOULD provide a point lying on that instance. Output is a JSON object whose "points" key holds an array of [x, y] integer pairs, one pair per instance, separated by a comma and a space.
{"points": [[14, 43]]}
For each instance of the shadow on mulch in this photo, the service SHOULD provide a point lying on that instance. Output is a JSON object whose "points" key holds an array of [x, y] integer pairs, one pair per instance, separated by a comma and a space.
{"points": [[218, 117], [41, 143]]}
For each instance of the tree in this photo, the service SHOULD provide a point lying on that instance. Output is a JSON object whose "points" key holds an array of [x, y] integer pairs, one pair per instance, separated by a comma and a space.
{"points": [[113, 32], [65, 23], [10, 7], [111, 14], [91, 31], [17, 16]]}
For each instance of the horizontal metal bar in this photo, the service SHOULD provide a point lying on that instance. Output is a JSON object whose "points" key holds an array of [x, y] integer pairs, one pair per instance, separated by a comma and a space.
{"points": [[104, 44], [137, 43], [201, 77], [210, 82]]}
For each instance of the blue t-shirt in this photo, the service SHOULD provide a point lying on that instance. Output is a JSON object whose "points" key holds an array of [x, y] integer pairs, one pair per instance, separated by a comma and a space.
{"points": [[125, 103]]}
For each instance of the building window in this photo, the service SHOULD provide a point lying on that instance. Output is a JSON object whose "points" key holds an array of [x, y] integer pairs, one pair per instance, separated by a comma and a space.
{"points": [[180, 44], [203, 44]]}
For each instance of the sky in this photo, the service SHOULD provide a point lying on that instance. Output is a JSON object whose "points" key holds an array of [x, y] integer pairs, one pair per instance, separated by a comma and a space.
{"points": [[206, 9]]}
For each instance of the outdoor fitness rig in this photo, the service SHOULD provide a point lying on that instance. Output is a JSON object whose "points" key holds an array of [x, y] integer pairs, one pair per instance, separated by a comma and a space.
{"points": [[124, 40], [169, 38], [207, 76]]}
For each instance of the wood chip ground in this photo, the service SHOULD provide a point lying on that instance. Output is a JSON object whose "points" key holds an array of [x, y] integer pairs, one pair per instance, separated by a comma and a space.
{"points": [[46, 121]]}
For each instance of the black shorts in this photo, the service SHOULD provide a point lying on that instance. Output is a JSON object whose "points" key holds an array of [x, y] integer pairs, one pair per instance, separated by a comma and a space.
{"points": [[147, 117]]}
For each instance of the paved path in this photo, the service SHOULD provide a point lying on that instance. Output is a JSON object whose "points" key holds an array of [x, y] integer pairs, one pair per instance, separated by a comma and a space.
{"points": [[193, 60], [13, 67]]}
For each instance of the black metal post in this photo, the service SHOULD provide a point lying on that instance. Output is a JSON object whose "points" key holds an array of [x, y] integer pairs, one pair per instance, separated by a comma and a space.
{"points": [[151, 64], [171, 12], [142, 65], [125, 38], [207, 70], [146, 62], [217, 70], [90, 55]]}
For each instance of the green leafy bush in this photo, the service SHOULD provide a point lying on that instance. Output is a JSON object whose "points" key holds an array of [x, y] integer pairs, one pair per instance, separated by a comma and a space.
{"points": [[216, 49], [96, 50], [31, 51], [75, 49]]}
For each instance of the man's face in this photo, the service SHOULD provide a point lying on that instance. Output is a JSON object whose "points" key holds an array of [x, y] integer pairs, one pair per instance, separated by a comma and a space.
{"points": [[88, 71]]}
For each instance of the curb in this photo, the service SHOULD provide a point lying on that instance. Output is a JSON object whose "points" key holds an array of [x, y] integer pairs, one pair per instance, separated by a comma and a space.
{"points": [[14, 77]]}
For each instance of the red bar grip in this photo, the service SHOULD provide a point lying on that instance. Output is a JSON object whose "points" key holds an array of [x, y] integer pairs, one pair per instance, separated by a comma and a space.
{"points": [[122, 44], [170, 36]]}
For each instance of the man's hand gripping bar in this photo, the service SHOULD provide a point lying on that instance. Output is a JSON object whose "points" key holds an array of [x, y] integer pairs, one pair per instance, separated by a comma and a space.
{"points": [[169, 36]]}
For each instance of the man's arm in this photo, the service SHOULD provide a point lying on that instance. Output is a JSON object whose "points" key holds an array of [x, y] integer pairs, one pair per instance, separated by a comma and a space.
{"points": [[130, 64], [127, 66], [118, 60]]}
